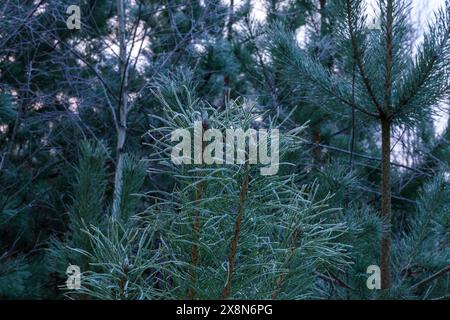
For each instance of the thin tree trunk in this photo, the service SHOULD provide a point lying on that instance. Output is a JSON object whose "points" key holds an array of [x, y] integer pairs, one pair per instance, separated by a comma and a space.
{"points": [[230, 21], [386, 203], [196, 227], [327, 62], [322, 4], [226, 77], [237, 227], [123, 109], [352, 137], [431, 278], [195, 253], [386, 153]]}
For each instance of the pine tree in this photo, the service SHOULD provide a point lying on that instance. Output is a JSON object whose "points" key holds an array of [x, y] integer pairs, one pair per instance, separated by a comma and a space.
{"points": [[87, 178], [258, 237], [402, 91]]}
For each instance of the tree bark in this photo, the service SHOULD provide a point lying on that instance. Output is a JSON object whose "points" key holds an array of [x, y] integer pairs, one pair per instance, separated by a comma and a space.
{"points": [[386, 203], [123, 109], [196, 226], [237, 227], [386, 152]]}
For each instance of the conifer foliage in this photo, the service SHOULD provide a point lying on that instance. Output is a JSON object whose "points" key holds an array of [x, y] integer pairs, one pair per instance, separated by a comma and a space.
{"points": [[340, 169]]}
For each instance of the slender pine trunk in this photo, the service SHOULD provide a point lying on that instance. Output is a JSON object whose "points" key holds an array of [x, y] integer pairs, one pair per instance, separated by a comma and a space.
{"points": [[328, 63], [196, 227], [195, 252], [237, 227], [386, 203], [386, 153], [123, 109], [230, 21]]}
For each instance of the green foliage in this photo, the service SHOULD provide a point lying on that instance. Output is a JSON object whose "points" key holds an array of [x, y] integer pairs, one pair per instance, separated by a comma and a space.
{"points": [[284, 234], [405, 92], [7, 109], [423, 249], [14, 277], [133, 180], [89, 186], [315, 70], [123, 264]]}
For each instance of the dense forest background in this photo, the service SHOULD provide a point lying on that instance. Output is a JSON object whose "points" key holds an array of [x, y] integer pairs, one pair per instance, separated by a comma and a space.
{"points": [[358, 91]]}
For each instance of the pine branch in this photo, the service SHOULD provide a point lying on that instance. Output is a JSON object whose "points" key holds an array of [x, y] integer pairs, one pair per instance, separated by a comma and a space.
{"points": [[428, 77], [364, 156], [333, 279], [279, 282], [313, 71], [357, 56], [431, 278], [196, 227], [23, 24], [237, 226]]}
